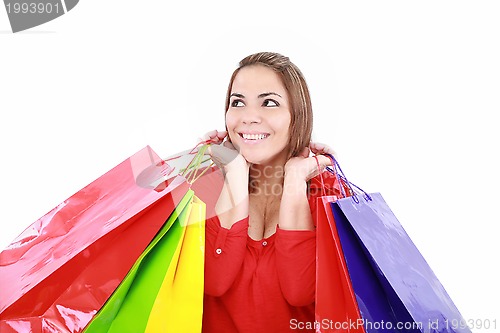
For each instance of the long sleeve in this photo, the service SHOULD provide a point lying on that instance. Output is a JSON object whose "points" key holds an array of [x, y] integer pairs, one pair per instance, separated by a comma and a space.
{"points": [[224, 254], [296, 249], [296, 265]]}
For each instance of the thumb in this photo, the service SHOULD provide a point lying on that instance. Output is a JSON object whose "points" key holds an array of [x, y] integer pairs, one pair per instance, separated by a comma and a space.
{"points": [[229, 145], [209, 150]]}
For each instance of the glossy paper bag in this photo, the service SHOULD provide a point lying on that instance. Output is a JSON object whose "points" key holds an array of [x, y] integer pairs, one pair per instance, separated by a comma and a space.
{"points": [[395, 288], [336, 306], [62, 269]]}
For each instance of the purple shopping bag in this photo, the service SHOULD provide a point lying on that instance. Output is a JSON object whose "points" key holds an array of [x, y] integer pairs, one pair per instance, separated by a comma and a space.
{"points": [[395, 288]]}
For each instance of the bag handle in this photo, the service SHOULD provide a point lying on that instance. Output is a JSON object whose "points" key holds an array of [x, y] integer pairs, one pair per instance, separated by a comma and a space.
{"points": [[354, 190], [191, 171], [320, 176]]}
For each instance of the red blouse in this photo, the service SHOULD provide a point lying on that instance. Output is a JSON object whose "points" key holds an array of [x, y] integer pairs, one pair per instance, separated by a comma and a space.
{"points": [[261, 286]]}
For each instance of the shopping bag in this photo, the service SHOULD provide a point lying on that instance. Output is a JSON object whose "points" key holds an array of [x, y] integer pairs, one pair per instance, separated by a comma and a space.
{"points": [[63, 268], [394, 287], [336, 308], [163, 292]]}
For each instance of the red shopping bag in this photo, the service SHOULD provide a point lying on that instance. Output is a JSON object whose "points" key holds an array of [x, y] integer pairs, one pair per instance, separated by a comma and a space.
{"points": [[336, 306], [60, 271]]}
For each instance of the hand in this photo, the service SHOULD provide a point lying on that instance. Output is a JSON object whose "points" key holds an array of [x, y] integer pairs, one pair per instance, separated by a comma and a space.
{"points": [[303, 167], [233, 202], [213, 137], [223, 153]]}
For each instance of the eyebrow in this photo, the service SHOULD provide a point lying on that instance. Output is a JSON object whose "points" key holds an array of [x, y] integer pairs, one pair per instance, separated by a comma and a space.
{"points": [[237, 95], [260, 96], [269, 94]]}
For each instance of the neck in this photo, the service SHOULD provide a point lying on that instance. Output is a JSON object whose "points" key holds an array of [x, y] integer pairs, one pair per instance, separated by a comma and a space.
{"points": [[267, 179]]}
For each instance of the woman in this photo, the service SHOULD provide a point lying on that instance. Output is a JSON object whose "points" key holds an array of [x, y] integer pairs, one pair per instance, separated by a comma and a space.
{"points": [[260, 248]]}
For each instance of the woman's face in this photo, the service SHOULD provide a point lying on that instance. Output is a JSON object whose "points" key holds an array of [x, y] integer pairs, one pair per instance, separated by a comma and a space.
{"points": [[258, 118]]}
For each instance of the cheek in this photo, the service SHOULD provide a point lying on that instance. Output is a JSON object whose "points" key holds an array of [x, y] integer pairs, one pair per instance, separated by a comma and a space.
{"points": [[230, 120], [282, 124]]}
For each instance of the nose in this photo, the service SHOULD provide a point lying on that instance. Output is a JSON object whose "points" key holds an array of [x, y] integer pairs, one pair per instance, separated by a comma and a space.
{"points": [[251, 116]]}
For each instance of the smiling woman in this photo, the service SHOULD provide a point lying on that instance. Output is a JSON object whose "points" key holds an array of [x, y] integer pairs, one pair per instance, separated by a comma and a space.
{"points": [[258, 122], [261, 246]]}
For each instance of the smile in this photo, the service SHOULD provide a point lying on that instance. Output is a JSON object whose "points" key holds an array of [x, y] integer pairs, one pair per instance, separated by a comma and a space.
{"points": [[253, 137]]}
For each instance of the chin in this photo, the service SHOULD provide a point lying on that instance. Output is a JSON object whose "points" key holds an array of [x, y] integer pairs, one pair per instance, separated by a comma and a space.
{"points": [[252, 158], [261, 158]]}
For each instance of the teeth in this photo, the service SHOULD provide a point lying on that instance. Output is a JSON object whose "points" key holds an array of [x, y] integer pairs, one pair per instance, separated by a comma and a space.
{"points": [[253, 136]]}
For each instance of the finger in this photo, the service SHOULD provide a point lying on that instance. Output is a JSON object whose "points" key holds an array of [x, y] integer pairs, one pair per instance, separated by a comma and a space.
{"points": [[316, 145], [209, 151], [212, 136], [229, 145], [213, 151], [221, 135], [328, 150], [217, 150], [324, 161], [315, 149], [320, 148], [305, 152], [204, 138]]}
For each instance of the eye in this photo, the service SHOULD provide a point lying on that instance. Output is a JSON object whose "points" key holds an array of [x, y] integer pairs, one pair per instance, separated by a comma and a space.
{"points": [[270, 103], [237, 103]]}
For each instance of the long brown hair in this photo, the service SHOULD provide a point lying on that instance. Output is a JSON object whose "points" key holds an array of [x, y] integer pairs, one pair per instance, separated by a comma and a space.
{"points": [[298, 94]]}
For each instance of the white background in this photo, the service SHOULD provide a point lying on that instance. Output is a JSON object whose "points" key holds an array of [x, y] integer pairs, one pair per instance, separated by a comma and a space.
{"points": [[407, 93]]}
